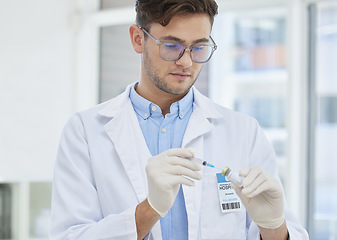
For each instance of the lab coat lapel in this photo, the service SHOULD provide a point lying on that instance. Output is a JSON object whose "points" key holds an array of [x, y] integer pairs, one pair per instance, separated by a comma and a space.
{"points": [[126, 136], [199, 124], [192, 197], [197, 127], [204, 111]]}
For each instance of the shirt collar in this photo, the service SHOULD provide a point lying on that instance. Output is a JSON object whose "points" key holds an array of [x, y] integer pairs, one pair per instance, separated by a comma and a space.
{"points": [[184, 105], [145, 108]]}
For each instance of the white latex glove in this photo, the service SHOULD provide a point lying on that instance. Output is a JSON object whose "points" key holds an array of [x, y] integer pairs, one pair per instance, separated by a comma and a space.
{"points": [[165, 172], [262, 196]]}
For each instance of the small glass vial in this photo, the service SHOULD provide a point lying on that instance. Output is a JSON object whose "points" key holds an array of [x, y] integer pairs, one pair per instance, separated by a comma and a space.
{"points": [[232, 176]]}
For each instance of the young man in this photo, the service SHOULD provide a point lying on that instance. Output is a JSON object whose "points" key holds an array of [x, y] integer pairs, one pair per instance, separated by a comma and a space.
{"points": [[124, 168]]}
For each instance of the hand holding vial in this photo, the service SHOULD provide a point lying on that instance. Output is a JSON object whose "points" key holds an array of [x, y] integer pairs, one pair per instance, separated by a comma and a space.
{"points": [[262, 196], [260, 193]]}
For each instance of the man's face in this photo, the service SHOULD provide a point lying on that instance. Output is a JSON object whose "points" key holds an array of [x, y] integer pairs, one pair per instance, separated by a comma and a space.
{"points": [[175, 77]]}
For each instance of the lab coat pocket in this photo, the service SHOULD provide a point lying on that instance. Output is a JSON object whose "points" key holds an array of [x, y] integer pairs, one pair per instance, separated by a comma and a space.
{"points": [[214, 223]]}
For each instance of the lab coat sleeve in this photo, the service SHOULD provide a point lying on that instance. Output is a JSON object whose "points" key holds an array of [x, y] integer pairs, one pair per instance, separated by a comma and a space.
{"points": [[296, 231], [261, 153], [76, 211]]}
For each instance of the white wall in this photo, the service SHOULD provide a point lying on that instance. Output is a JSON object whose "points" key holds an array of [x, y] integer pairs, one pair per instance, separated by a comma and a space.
{"points": [[36, 85]]}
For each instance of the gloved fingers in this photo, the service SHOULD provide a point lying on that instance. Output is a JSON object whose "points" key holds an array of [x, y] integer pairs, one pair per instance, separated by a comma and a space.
{"points": [[183, 171], [250, 187], [264, 186], [181, 180], [250, 174], [185, 163], [180, 152], [244, 172], [257, 181], [238, 191], [270, 187], [163, 162]]}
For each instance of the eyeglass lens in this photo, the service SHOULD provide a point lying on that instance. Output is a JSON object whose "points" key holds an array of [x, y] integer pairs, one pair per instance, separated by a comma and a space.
{"points": [[173, 51]]}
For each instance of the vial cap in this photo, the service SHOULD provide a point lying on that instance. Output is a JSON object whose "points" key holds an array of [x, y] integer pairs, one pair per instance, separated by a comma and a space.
{"points": [[224, 171]]}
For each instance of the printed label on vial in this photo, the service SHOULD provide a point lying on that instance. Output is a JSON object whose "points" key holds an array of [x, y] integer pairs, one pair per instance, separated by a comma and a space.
{"points": [[229, 200]]}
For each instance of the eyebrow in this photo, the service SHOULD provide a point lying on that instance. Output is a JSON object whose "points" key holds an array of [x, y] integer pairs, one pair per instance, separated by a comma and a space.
{"points": [[173, 38]]}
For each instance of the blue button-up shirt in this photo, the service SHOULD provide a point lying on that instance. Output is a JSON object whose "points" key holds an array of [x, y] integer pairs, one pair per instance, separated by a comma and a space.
{"points": [[160, 135]]}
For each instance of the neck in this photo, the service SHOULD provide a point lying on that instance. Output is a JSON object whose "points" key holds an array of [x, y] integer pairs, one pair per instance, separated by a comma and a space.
{"points": [[163, 99]]}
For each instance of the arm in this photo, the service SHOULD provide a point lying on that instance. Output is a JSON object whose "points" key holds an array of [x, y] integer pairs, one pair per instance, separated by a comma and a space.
{"points": [[146, 217], [264, 196], [278, 233], [76, 207], [165, 173]]}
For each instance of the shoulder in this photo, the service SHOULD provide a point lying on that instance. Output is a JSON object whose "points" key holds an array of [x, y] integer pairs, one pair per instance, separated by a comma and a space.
{"points": [[106, 110], [81, 121], [218, 113]]}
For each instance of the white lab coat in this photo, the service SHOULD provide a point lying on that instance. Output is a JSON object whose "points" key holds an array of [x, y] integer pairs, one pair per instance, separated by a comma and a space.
{"points": [[100, 172]]}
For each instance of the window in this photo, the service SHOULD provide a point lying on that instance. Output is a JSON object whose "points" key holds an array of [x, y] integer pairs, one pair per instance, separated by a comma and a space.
{"points": [[250, 70], [323, 127], [260, 43], [109, 4], [5, 211], [119, 63]]}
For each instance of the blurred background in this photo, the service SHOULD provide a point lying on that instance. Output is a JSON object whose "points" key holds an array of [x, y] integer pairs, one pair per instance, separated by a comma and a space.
{"points": [[276, 61]]}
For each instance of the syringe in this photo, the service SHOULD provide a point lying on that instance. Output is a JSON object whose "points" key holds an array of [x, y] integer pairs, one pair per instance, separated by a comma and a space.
{"points": [[229, 174], [202, 162]]}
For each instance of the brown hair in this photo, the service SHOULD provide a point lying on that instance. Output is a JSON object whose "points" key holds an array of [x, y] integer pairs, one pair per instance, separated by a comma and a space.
{"points": [[162, 11]]}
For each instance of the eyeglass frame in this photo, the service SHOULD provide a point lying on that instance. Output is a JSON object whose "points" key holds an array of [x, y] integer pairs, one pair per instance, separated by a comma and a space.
{"points": [[160, 43]]}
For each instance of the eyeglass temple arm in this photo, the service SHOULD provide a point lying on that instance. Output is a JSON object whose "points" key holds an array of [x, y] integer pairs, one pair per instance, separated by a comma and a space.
{"points": [[214, 44], [157, 41]]}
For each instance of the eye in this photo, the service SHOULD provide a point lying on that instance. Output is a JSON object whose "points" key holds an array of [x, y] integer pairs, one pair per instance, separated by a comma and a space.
{"points": [[199, 48], [172, 46]]}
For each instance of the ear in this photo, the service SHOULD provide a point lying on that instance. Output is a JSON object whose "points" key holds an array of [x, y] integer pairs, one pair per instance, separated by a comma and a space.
{"points": [[137, 38]]}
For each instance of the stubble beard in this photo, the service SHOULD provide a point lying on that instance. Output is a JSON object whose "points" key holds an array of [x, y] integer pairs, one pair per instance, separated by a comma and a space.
{"points": [[153, 75]]}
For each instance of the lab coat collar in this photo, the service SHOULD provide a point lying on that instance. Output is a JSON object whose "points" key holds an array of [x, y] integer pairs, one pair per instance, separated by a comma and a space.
{"points": [[117, 104], [208, 109], [143, 107]]}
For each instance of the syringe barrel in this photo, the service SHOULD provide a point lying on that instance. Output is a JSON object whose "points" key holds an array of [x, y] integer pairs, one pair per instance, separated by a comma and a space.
{"points": [[197, 160]]}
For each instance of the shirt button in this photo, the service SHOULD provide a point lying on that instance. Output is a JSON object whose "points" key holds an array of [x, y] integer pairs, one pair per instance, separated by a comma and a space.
{"points": [[154, 108], [146, 114], [163, 130]]}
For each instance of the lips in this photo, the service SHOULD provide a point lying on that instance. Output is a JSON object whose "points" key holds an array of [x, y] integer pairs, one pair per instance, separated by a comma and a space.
{"points": [[181, 76]]}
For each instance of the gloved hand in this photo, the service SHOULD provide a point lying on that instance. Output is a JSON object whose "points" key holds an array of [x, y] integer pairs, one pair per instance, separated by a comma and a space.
{"points": [[165, 172], [262, 196]]}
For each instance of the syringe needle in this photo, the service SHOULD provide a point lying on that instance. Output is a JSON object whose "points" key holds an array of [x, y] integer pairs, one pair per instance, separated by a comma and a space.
{"points": [[202, 162]]}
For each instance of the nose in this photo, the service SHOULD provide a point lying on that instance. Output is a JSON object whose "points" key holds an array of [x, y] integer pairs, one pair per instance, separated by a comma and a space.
{"points": [[185, 59]]}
